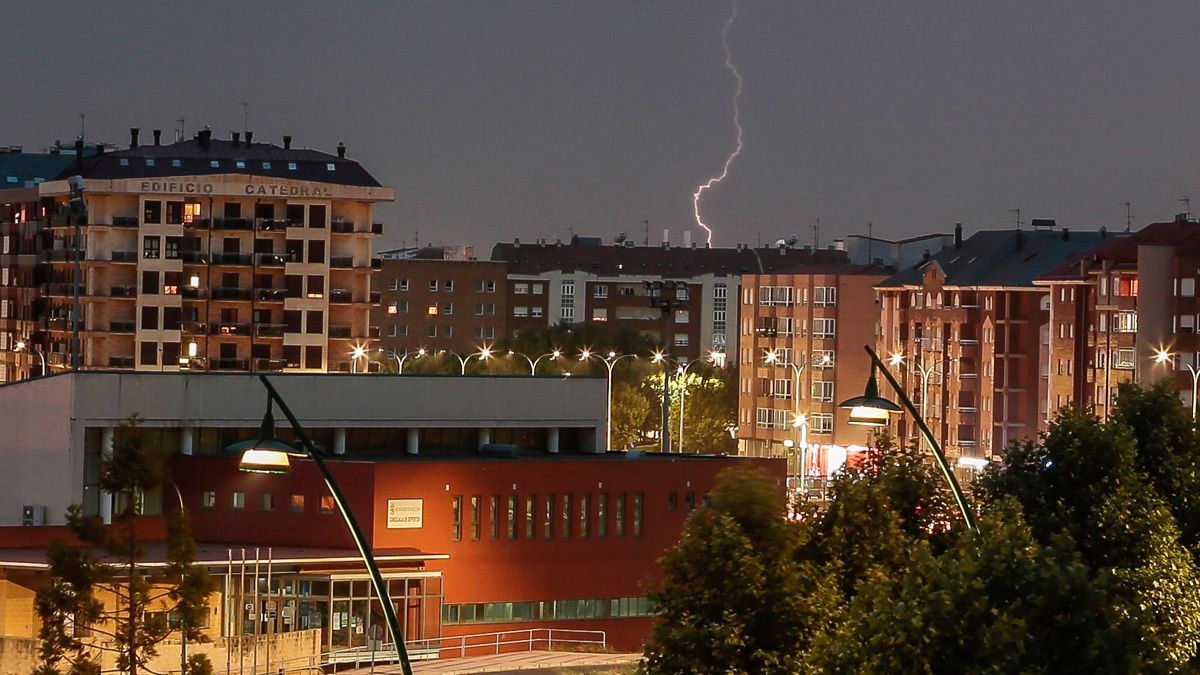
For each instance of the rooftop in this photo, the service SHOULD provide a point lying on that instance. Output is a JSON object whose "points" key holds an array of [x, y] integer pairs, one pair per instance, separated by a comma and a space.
{"points": [[1184, 235], [26, 169]]}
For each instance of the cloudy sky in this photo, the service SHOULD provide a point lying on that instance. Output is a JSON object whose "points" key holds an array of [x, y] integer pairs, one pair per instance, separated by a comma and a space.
{"points": [[541, 119]]}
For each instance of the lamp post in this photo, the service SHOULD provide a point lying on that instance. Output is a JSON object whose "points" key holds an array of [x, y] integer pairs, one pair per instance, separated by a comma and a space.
{"points": [[22, 346], [533, 363], [667, 296], [801, 423], [359, 352], [872, 410], [483, 354], [610, 361], [713, 357], [1163, 356], [268, 454], [924, 371]]}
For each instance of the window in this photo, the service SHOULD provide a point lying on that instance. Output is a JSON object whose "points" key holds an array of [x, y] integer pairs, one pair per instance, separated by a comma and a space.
{"points": [[485, 332], [448, 285], [566, 516], [483, 286], [535, 312], [215, 164], [820, 423], [770, 296], [404, 284], [150, 247], [152, 212], [638, 499], [531, 516], [456, 519], [149, 317], [475, 517], [511, 528], [600, 314], [538, 289], [432, 332], [602, 515], [239, 500], [330, 166], [770, 418], [824, 328], [448, 308], [393, 308], [825, 296], [297, 504], [1125, 322], [494, 517], [1187, 287], [327, 504], [520, 312], [520, 289], [822, 391], [314, 321], [173, 246], [548, 517], [619, 526], [485, 309], [600, 291], [176, 163], [239, 163], [681, 316], [781, 388], [1187, 323], [148, 354], [823, 359], [433, 285], [208, 499], [266, 501], [393, 284], [291, 166], [266, 166]]}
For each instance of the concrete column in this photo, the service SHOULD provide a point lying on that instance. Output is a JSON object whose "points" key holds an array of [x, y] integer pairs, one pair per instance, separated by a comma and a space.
{"points": [[552, 439], [414, 442], [485, 437], [339, 441], [106, 450], [186, 436]]}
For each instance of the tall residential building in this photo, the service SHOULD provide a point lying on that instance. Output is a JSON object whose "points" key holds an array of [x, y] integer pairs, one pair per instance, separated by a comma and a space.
{"points": [[206, 254], [1116, 308], [435, 303], [966, 328], [800, 352], [587, 281]]}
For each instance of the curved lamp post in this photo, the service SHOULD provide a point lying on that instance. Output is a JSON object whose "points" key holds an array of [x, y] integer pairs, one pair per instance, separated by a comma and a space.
{"points": [[1163, 356], [533, 363], [610, 361], [924, 371], [22, 346], [267, 454], [714, 356], [483, 354], [872, 410], [359, 352]]}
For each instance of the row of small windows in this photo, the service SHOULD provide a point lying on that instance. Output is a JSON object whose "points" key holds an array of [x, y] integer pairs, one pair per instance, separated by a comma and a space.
{"points": [[481, 286], [547, 516], [266, 502], [184, 212], [216, 164], [543, 610]]}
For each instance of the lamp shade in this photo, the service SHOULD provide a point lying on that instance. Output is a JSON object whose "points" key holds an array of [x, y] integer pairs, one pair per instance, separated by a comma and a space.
{"points": [[265, 454], [870, 409]]}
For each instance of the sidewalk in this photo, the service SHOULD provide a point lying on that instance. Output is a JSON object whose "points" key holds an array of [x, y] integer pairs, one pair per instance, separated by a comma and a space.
{"points": [[503, 663]]}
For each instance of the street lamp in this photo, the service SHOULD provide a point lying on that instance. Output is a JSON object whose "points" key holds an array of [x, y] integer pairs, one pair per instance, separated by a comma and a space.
{"points": [[714, 356], [924, 370], [400, 359], [533, 363], [610, 361], [268, 454], [1163, 356], [801, 423], [22, 346], [359, 352], [871, 409], [483, 354]]}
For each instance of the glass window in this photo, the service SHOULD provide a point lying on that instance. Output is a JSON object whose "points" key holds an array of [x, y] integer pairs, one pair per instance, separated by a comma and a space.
{"points": [[512, 517], [637, 514], [585, 503], [208, 499], [548, 517], [239, 500], [297, 503], [327, 504], [566, 516], [620, 515], [456, 518], [602, 515], [531, 516], [494, 517], [267, 501], [475, 517], [151, 247]]}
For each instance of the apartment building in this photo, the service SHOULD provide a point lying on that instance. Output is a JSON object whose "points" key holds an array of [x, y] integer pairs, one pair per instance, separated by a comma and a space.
{"points": [[588, 281], [1119, 306], [435, 303], [205, 254], [965, 329], [800, 352]]}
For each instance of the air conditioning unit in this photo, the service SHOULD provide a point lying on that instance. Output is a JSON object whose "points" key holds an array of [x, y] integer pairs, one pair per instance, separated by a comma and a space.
{"points": [[33, 515]]}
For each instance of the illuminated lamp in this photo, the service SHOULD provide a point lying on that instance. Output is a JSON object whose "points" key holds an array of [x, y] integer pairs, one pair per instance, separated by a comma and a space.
{"points": [[870, 409], [266, 453]]}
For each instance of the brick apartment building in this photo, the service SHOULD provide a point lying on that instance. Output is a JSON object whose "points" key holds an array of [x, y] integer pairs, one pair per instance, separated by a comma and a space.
{"points": [[968, 326], [202, 254], [588, 281], [800, 352], [1119, 305]]}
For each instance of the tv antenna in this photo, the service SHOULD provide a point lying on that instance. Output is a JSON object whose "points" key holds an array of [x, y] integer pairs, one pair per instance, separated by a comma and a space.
{"points": [[1128, 216], [245, 115], [817, 235], [1018, 215], [1187, 207]]}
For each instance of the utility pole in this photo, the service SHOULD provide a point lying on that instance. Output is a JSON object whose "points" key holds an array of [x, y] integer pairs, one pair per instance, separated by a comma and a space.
{"points": [[666, 295]]}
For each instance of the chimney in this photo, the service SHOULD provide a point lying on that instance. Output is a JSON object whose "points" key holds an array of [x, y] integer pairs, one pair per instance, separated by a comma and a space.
{"points": [[1181, 217], [133, 137], [516, 242], [287, 142], [666, 240], [204, 137], [1066, 234], [236, 138], [79, 156], [958, 235], [687, 238], [1103, 232], [158, 136], [249, 137], [341, 150]]}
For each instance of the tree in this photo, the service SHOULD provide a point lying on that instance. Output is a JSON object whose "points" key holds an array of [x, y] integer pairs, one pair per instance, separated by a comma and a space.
{"points": [[730, 600], [630, 409], [709, 406], [103, 588]]}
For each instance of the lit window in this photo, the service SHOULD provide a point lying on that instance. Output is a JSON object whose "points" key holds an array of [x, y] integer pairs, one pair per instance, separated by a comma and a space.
{"points": [[329, 167], [208, 499], [149, 162], [267, 501], [239, 500], [176, 163], [297, 503], [214, 164], [241, 163], [393, 308], [291, 166], [267, 166], [432, 310], [124, 161], [327, 504]]}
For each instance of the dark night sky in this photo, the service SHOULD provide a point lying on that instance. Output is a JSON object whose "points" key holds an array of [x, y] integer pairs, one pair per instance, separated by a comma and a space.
{"points": [[536, 119]]}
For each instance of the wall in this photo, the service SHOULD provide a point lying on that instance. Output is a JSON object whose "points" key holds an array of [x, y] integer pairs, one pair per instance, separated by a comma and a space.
{"points": [[41, 467]]}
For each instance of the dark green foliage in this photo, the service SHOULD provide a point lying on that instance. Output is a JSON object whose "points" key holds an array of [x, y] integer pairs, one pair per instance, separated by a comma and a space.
{"points": [[76, 626]]}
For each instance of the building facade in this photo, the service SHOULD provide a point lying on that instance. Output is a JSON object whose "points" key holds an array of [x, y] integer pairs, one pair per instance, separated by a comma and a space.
{"points": [[206, 254], [800, 353]]}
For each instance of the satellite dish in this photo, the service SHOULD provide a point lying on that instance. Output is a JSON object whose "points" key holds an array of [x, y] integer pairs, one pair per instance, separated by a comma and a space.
{"points": [[621, 236], [780, 244], [792, 240]]}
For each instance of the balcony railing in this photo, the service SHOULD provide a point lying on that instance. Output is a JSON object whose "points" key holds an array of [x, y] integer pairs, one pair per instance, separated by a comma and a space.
{"points": [[232, 259], [230, 364], [193, 293], [341, 226], [342, 262], [120, 362], [232, 224], [338, 331], [230, 293], [123, 291], [121, 326], [274, 259], [269, 364], [193, 257], [123, 256], [230, 329], [125, 221], [272, 294], [340, 296], [193, 328], [64, 290], [272, 224], [269, 329]]}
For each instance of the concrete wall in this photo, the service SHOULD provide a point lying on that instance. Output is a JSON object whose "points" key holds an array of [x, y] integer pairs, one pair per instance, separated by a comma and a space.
{"points": [[41, 448]]}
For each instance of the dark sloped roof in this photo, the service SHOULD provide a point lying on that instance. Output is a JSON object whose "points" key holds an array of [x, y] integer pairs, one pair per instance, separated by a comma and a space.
{"points": [[196, 159], [25, 169], [676, 262], [1000, 258], [1123, 249]]}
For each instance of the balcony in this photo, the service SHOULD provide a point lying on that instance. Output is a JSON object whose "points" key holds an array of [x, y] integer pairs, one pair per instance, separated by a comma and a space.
{"points": [[376, 228], [232, 224], [274, 259], [274, 330], [60, 255], [342, 262], [230, 364], [123, 291], [198, 224], [120, 362], [232, 259], [269, 364], [272, 294], [121, 327], [339, 331], [123, 256], [230, 293], [58, 323], [272, 224], [64, 290], [230, 329], [340, 296], [193, 293], [193, 328], [193, 257], [125, 221], [339, 226]]}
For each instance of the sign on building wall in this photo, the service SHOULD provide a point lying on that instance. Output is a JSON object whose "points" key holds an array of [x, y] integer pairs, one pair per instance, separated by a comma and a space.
{"points": [[403, 514]]}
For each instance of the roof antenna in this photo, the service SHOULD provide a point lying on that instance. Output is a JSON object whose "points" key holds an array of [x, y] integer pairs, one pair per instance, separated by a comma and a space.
{"points": [[1018, 214], [646, 225], [82, 125], [870, 239], [179, 130], [245, 115], [817, 235], [1187, 207], [1128, 216]]}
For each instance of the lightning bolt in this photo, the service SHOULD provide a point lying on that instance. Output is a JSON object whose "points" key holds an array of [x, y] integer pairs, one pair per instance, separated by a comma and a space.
{"points": [[737, 124]]}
